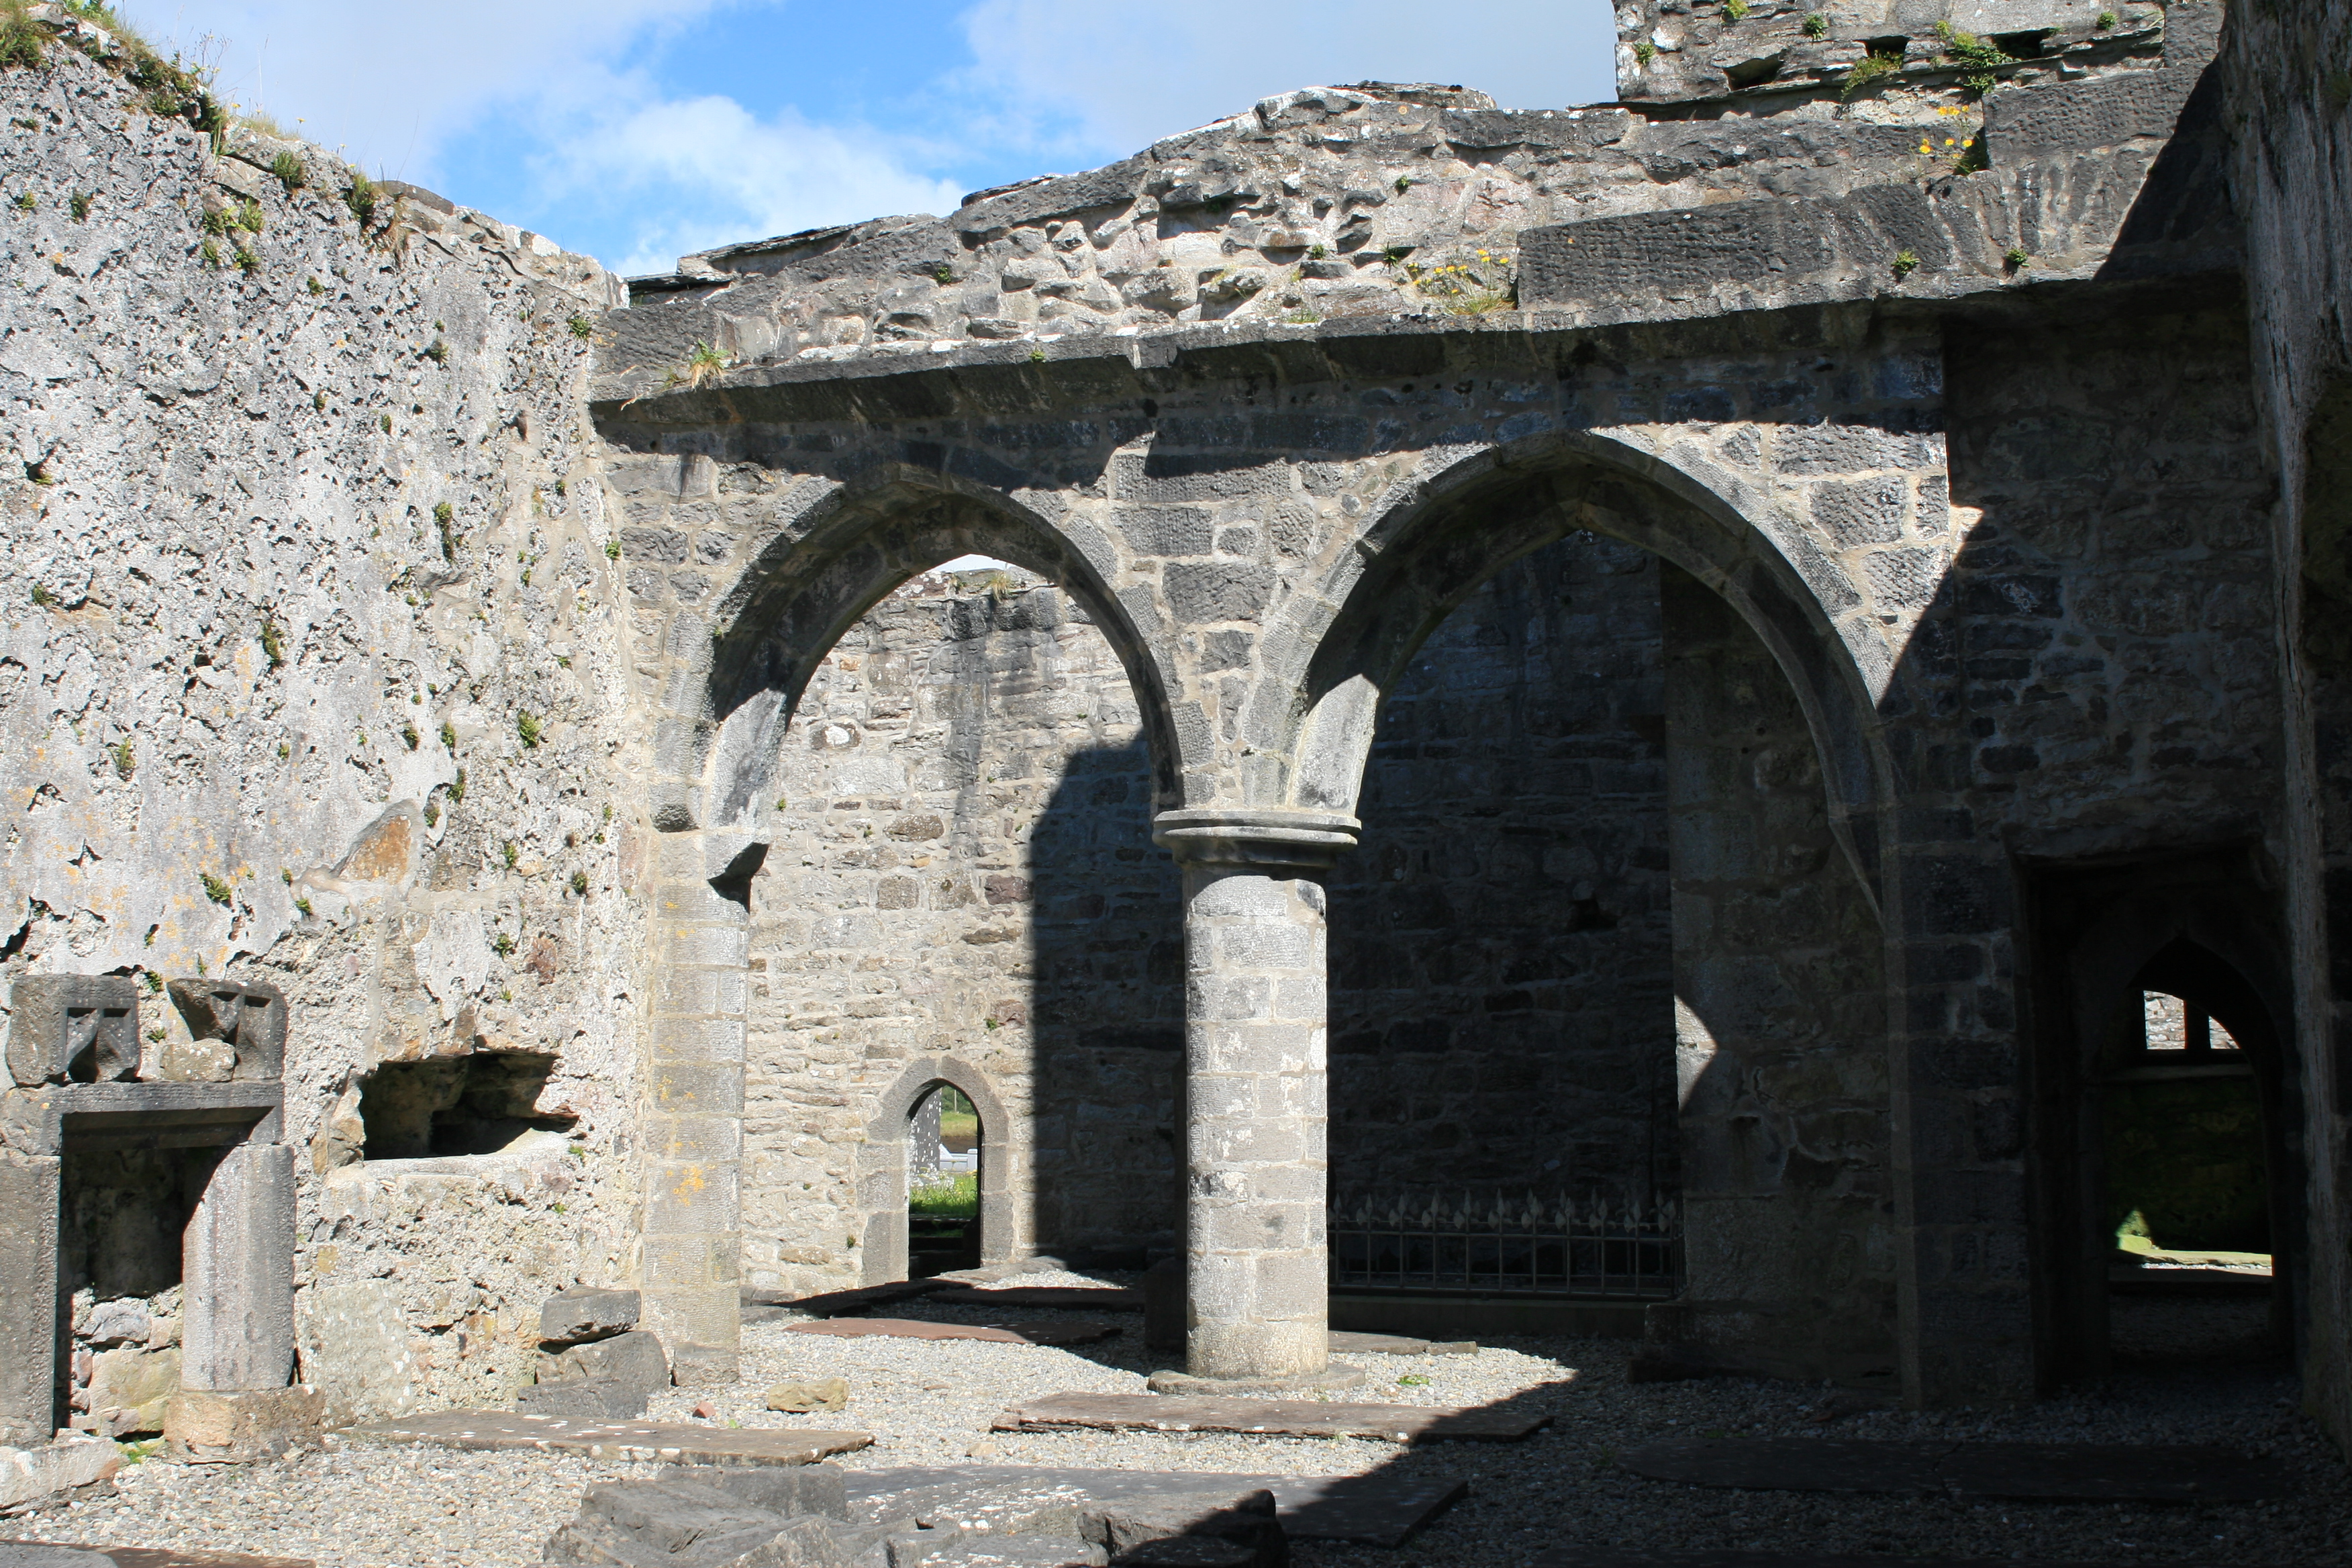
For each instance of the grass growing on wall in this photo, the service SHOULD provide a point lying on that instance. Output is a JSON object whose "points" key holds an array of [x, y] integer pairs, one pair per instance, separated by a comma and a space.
{"points": [[949, 1197]]}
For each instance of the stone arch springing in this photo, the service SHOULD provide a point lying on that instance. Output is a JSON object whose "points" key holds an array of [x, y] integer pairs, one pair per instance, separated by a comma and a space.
{"points": [[882, 1167], [800, 596], [1426, 554]]}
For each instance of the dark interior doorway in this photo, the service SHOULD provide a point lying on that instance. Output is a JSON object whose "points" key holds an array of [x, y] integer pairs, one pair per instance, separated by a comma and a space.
{"points": [[2167, 1195], [943, 1155]]}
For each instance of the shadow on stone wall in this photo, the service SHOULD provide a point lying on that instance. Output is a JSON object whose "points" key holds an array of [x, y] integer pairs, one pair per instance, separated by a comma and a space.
{"points": [[1107, 1017]]}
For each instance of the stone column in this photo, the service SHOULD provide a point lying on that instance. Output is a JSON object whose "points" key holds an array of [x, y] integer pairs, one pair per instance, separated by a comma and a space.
{"points": [[28, 1298], [237, 1263], [1257, 1278], [690, 1262]]}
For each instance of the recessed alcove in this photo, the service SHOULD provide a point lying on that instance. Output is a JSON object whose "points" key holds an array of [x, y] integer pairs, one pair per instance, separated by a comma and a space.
{"points": [[482, 1103]]}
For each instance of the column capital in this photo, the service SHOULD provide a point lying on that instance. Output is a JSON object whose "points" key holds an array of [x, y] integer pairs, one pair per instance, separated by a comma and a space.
{"points": [[1259, 839]]}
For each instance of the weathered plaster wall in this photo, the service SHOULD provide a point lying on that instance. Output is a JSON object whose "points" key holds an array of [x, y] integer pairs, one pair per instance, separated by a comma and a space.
{"points": [[1501, 972], [262, 713], [962, 868]]}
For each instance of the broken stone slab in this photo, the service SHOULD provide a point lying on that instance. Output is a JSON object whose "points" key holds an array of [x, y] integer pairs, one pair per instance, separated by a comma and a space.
{"points": [[77, 1026], [632, 1360], [1074, 1332], [1288, 1418], [807, 1398], [1343, 1343], [677, 1442], [956, 1548], [1056, 1296], [716, 1519], [2057, 1472], [584, 1313], [591, 1398], [1132, 1518], [241, 1426], [76, 1554], [29, 1473], [1371, 1510]]}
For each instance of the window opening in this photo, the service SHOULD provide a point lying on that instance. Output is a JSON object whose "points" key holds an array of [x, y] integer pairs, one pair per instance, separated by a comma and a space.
{"points": [[943, 1150], [2188, 1191], [477, 1104]]}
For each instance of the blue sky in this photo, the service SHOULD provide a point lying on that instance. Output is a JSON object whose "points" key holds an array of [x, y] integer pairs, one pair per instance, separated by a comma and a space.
{"points": [[639, 130]]}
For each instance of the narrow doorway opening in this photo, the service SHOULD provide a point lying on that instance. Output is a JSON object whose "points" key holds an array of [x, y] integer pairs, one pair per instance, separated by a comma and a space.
{"points": [[944, 1155], [2187, 1184], [122, 1216]]}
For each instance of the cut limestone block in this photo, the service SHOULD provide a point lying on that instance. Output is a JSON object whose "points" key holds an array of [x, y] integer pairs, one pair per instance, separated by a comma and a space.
{"points": [[583, 1313], [632, 1360], [79, 1026], [29, 1473], [1059, 1298], [2058, 1472], [1288, 1418], [806, 1398], [249, 1018], [592, 1398], [243, 1426], [677, 1442], [1075, 1331], [706, 1518], [1344, 1344], [1371, 1510]]}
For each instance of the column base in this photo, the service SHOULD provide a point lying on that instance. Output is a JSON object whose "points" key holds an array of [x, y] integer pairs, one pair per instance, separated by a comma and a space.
{"points": [[241, 1426], [1331, 1379]]}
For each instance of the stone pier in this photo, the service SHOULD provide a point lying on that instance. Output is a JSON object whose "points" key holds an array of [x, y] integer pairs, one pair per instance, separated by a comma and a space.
{"points": [[1255, 1092]]}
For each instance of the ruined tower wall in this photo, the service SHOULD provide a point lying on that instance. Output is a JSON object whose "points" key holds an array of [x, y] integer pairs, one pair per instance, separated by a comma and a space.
{"points": [[263, 710]]}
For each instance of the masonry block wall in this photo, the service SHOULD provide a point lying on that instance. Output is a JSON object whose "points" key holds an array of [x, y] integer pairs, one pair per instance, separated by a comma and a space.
{"points": [[1502, 1011], [302, 520], [962, 868]]}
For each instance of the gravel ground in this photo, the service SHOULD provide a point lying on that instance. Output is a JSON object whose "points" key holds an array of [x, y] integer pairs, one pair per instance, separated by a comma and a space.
{"points": [[931, 1403]]}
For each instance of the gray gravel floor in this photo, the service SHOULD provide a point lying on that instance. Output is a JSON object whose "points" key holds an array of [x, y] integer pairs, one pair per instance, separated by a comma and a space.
{"points": [[931, 1402]]}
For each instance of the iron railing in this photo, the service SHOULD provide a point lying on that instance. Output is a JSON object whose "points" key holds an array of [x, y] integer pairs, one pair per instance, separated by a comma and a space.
{"points": [[1518, 1242]]}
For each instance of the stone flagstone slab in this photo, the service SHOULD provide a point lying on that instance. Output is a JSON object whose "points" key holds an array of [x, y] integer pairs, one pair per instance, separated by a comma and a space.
{"points": [[1345, 1344], [1288, 1417], [2067, 1472], [1059, 1297], [1621, 1557], [1369, 1511], [1074, 1332], [677, 1442], [62, 1554], [839, 1303]]}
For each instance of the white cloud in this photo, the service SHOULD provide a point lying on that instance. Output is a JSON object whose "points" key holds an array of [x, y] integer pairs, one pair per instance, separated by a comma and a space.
{"points": [[717, 173], [393, 83], [1130, 74]]}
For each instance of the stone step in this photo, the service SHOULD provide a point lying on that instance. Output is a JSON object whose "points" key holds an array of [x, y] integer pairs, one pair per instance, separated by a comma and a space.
{"points": [[677, 1442], [1069, 1333], [2057, 1472], [1288, 1417]]}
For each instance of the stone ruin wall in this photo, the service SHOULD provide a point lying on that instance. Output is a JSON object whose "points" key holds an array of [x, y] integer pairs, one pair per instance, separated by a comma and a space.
{"points": [[1388, 200], [963, 868], [232, 639]]}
